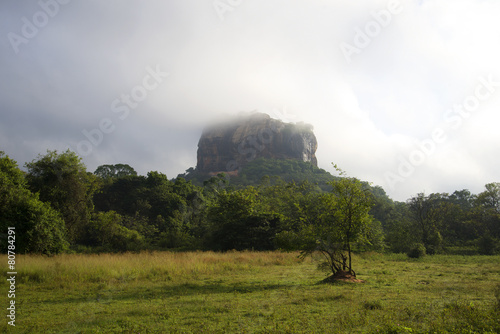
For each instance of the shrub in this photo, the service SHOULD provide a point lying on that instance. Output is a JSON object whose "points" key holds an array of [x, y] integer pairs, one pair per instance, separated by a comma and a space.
{"points": [[108, 234], [487, 245], [435, 243], [416, 251]]}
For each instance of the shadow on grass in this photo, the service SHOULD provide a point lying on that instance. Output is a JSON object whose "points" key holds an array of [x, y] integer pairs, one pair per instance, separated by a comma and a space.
{"points": [[159, 292], [341, 277]]}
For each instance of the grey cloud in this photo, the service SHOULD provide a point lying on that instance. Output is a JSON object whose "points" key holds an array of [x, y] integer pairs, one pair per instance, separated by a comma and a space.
{"points": [[264, 55]]}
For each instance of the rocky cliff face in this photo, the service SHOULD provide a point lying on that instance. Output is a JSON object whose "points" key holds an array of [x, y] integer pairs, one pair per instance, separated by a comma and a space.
{"points": [[226, 147]]}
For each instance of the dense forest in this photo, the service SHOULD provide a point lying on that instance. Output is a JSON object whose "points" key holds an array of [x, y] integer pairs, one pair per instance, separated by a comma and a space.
{"points": [[56, 205]]}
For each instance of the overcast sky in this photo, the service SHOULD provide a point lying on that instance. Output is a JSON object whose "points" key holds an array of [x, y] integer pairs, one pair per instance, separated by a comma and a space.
{"points": [[405, 94]]}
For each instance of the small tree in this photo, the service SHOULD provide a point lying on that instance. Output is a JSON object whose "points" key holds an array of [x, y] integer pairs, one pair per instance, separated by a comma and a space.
{"points": [[344, 217], [353, 206]]}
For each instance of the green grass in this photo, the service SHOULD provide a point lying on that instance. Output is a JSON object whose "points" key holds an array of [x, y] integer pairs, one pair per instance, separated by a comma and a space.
{"points": [[251, 292]]}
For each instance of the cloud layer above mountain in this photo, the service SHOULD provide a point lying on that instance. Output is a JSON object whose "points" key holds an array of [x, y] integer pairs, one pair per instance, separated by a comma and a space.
{"points": [[401, 93]]}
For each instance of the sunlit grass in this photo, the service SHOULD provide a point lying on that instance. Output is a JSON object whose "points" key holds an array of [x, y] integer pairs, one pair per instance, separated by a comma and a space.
{"points": [[253, 292]]}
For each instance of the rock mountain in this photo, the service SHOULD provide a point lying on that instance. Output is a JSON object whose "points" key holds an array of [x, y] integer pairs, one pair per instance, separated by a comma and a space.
{"points": [[228, 146]]}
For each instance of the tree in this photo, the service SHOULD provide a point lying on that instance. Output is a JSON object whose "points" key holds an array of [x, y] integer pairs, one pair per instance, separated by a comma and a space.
{"points": [[321, 233], [237, 223], [341, 218], [114, 171], [490, 198], [169, 213], [427, 213], [487, 215], [61, 179], [39, 228], [122, 195], [457, 224], [213, 186], [353, 203], [399, 234]]}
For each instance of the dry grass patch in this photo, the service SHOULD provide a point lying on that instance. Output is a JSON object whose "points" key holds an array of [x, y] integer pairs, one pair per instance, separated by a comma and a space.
{"points": [[156, 266]]}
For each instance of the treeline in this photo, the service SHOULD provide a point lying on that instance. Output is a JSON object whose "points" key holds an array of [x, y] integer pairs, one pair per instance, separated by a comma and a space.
{"points": [[460, 223], [57, 206]]}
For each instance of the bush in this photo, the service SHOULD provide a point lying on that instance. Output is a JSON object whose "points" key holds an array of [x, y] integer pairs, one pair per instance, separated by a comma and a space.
{"points": [[435, 243], [416, 251], [487, 245], [107, 233]]}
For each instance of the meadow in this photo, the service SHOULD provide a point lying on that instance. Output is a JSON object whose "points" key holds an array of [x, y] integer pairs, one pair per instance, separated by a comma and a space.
{"points": [[251, 292]]}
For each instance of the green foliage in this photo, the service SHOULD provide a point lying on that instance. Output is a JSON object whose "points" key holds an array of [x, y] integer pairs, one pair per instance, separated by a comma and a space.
{"points": [[39, 228], [171, 214], [398, 230], [490, 198], [486, 217], [416, 251], [107, 232], [435, 243], [289, 240], [427, 214], [373, 237], [122, 195], [237, 223], [62, 180], [11, 174], [118, 170], [176, 234], [288, 170], [286, 204], [487, 245], [341, 218]]}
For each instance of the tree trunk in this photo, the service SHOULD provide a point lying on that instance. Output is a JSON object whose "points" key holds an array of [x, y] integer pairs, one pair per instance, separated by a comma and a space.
{"points": [[350, 262]]}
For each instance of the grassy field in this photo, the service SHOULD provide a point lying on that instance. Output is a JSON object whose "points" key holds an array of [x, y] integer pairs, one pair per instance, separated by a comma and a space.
{"points": [[251, 292]]}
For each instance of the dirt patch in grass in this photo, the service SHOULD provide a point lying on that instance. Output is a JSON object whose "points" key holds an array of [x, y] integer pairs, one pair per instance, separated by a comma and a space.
{"points": [[342, 276]]}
